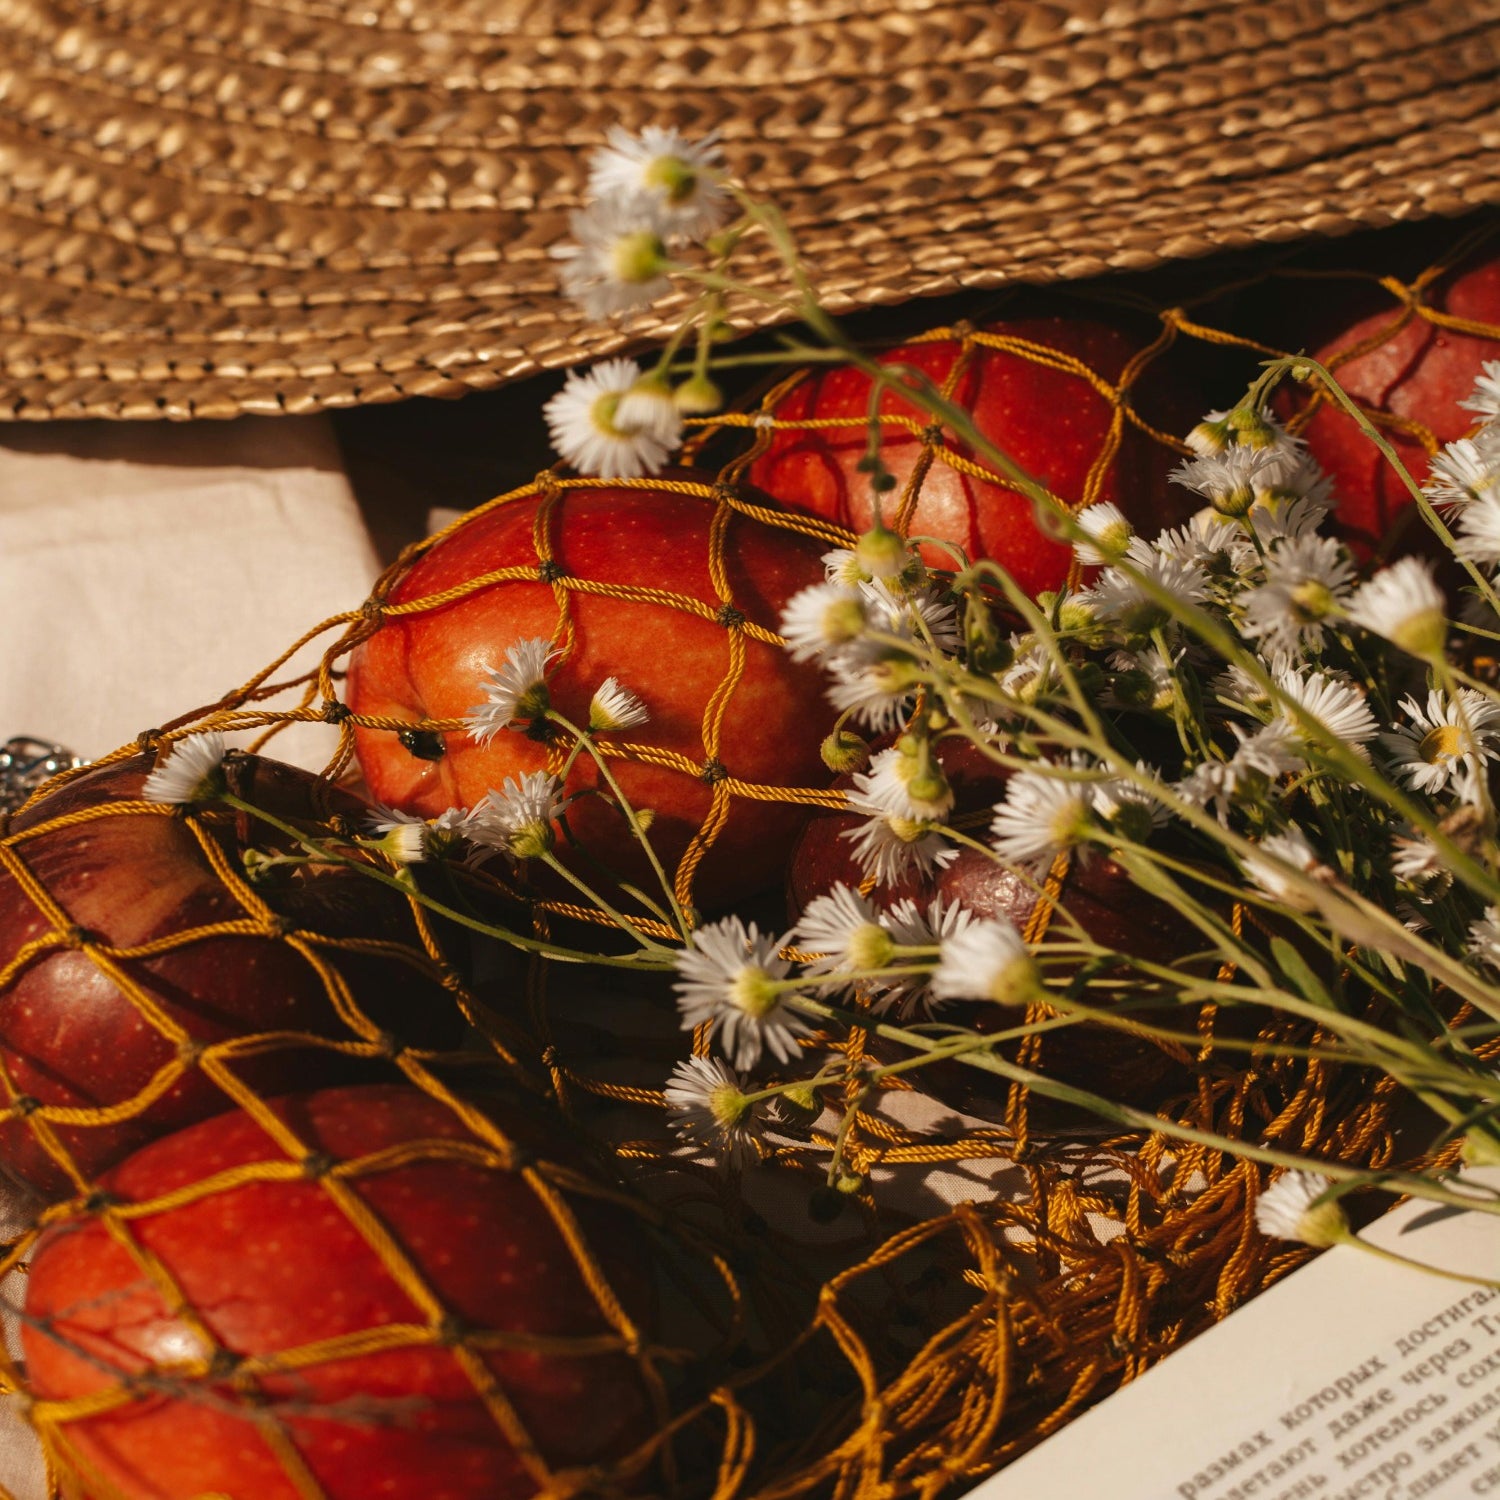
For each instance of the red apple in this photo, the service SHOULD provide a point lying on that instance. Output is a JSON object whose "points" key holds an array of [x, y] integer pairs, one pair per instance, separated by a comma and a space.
{"points": [[1418, 375], [77, 992], [1052, 421], [663, 629], [279, 1268]]}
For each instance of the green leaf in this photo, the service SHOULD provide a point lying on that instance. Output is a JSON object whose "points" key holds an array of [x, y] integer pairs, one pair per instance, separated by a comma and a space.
{"points": [[1295, 968]]}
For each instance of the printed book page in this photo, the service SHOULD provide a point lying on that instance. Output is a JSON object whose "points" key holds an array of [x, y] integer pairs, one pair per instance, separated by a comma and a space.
{"points": [[1353, 1379]]}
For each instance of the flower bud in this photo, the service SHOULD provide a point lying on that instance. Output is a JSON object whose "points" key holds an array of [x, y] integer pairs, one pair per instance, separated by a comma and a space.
{"points": [[844, 752], [696, 395], [882, 554]]}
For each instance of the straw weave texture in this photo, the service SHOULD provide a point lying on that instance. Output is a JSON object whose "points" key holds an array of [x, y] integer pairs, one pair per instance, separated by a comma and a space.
{"points": [[214, 208]]}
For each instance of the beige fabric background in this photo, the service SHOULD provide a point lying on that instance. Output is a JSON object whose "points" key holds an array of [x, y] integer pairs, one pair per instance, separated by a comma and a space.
{"points": [[147, 568]]}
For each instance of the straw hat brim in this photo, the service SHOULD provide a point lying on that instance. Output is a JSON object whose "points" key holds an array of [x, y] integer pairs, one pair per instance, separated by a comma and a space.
{"points": [[211, 208]]}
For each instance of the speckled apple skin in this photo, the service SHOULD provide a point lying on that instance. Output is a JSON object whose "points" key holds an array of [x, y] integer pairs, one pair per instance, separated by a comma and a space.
{"points": [[1421, 373], [1052, 422], [70, 1036], [431, 664], [275, 1266]]}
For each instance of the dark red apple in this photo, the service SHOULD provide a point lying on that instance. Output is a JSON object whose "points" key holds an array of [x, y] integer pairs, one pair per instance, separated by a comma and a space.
{"points": [[278, 1268], [651, 616], [1418, 375], [107, 975], [1052, 421]]}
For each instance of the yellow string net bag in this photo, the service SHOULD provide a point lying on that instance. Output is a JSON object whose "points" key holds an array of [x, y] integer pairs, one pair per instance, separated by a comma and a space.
{"points": [[961, 1290]]}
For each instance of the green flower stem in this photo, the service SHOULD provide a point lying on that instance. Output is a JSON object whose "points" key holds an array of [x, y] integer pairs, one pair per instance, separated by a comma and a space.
{"points": [[648, 944], [1410, 1183], [601, 762], [462, 919]]}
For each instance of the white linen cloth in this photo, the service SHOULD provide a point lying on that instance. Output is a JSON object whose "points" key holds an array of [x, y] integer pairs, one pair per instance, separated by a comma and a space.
{"points": [[147, 569]]}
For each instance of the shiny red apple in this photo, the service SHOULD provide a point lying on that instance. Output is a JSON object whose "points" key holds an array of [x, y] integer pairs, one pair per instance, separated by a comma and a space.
{"points": [[107, 974], [1417, 375], [385, 1348], [646, 609], [1048, 417]]}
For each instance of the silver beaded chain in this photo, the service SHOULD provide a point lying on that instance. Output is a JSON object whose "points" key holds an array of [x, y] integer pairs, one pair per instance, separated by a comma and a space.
{"points": [[26, 762]]}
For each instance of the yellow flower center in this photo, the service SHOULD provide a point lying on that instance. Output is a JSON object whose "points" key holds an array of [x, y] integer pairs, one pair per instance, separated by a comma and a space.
{"points": [[754, 991], [1311, 600], [1441, 743], [870, 947]]}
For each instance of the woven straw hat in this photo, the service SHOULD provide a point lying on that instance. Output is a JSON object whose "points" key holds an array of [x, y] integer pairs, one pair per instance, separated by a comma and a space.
{"points": [[210, 207]]}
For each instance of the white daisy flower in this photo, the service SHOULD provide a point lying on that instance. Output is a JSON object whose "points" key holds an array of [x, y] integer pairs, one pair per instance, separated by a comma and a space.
{"points": [[382, 819], [1147, 679], [728, 979], [1484, 937], [515, 691], [842, 566], [1340, 707], [1277, 860], [1128, 807], [1307, 578], [1485, 401], [907, 995], [890, 848], [1211, 435], [1041, 816], [1206, 541], [1466, 470], [517, 819], [614, 708], [1283, 517], [823, 618], [192, 772], [1477, 531], [439, 836], [1289, 1210], [406, 844], [1232, 480], [1417, 862], [844, 931], [1259, 759], [877, 694], [1269, 752], [898, 786], [1034, 671], [897, 612], [1446, 744], [647, 409], [680, 175], [986, 960], [620, 260], [587, 431], [1109, 534], [1121, 597], [1403, 604], [712, 1110]]}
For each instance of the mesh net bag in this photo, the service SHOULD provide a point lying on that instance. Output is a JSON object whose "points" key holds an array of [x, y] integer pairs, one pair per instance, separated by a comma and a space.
{"points": [[984, 1280]]}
